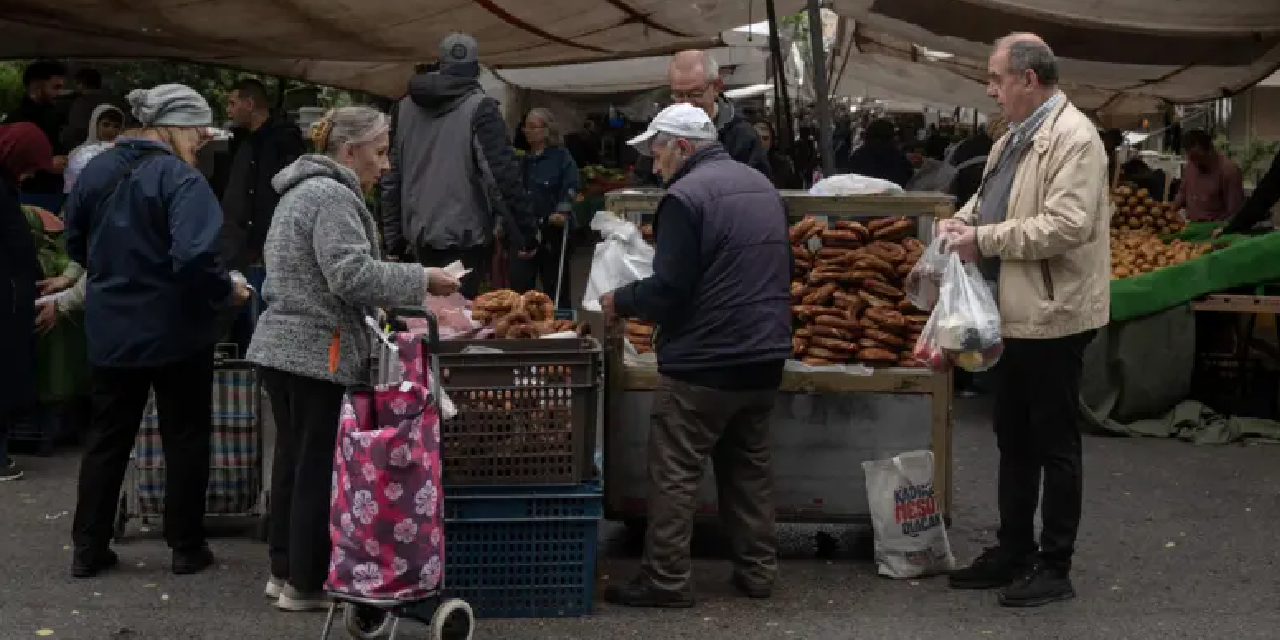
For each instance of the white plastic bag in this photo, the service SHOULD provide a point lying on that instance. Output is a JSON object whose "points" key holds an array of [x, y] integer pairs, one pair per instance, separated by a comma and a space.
{"points": [[964, 327], [924, 282], [910, 536], [852, 184], [622, 257]]}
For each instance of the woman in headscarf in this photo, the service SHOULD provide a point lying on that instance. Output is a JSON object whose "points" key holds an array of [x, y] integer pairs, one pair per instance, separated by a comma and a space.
{"points": [[24, 150], [146, 226], [105, 124], [325, 274]]}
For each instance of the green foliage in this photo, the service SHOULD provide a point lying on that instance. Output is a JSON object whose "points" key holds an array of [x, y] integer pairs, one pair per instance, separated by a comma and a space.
{"points": [[1252, 158], [10, 85]]}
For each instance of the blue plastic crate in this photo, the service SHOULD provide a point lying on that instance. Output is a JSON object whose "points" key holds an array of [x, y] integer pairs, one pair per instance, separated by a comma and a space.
{"points": [[523, 552]]}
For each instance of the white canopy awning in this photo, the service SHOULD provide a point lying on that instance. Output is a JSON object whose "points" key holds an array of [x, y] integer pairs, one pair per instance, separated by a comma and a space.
{"points": [[1122, 56], [637, 74], [371, 45]]}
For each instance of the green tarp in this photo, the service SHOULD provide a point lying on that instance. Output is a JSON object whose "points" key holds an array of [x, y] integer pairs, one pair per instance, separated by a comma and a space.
{"points": [[1246, 260]]}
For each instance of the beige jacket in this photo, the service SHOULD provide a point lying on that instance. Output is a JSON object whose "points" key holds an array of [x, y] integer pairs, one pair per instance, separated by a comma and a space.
{"points": [[1055, 244]]}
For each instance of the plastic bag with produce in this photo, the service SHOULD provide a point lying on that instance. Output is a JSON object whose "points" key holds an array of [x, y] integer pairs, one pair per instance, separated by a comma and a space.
{"points": [[964, 327], [925, 279]]}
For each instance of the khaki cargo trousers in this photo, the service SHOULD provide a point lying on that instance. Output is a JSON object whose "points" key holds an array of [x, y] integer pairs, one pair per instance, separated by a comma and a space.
{"points": [[688, 424]]}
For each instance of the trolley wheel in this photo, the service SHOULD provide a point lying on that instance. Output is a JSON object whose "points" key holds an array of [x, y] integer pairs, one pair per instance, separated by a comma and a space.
{"points": [[366, 623], [122, 518], [452, 620]]}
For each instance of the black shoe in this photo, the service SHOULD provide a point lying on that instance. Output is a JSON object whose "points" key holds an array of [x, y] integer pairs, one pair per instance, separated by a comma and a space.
{"points": [[757, 590], [639, 593], [10, 471], [87, 564], [189, 562], [995, 568], [1040, 585]]}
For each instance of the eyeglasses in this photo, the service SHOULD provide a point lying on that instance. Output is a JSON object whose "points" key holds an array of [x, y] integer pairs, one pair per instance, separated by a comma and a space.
{"points": [[690, 95]]}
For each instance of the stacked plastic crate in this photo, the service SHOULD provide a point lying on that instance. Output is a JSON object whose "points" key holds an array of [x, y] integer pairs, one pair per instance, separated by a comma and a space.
{"points": [[522, 510]]}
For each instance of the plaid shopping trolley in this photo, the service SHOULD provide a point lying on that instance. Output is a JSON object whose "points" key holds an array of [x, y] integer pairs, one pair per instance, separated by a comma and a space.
{"points": [[236, 479]]}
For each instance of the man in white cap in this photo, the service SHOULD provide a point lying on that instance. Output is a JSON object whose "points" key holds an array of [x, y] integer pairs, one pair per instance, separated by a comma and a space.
{"points": [[719, 295]]}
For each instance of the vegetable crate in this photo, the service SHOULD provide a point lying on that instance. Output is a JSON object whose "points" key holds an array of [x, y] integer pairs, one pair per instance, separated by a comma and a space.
{"points": [[528, 410], [523, 552]]}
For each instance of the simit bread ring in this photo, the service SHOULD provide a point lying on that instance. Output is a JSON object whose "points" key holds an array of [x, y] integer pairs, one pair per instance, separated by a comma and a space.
{"points": [[880, 223], [887, 251], [874, 300], [896, 231], [882, 289], [877, 356], [886, 317], [834, 344], [830, 332], [838, 322], [885, 338], [825, 354], [798, 231], [817, 362], [875, 263], [854, 226], [798, 345], [912, 245]]}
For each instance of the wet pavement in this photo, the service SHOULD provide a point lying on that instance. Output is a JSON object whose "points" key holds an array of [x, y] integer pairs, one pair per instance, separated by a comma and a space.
{"points": [[1179, 542]]}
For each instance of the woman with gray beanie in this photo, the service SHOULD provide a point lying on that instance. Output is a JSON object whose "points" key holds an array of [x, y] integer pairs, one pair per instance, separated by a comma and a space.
{"points": [[145, 224], [324, 276]]}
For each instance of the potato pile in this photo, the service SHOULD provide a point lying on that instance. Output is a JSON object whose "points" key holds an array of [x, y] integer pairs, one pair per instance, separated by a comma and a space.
{"points": [[515, 316], [1136, 210], [640, 334], [1137, 252], [846, 296]]}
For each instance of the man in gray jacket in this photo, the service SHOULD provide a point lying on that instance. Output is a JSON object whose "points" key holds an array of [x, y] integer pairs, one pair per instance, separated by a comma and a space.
{"points": [[452, 170]]}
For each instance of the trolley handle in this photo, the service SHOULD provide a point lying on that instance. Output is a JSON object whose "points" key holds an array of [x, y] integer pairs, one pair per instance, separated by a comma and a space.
{"points": [[398, 314]]}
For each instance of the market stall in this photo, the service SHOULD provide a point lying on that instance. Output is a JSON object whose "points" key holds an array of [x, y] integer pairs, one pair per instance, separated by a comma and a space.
{"points": [[827, 419]]}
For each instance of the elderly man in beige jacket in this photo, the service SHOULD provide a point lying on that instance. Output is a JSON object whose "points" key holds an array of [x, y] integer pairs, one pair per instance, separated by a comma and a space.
{"points": [[1038, 229]]}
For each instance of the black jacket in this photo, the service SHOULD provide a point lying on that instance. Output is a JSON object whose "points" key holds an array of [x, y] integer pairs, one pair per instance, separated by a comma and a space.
{"points": [[883, 160], [247, 213], [736, 135], [1258, 206], [19, 271]]}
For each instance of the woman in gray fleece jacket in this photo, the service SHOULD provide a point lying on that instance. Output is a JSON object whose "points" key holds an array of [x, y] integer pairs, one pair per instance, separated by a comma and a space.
{"points": [[324, 275]]}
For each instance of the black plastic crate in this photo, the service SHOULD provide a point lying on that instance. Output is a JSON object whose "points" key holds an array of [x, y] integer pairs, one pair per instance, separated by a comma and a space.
{"points": [[527, 410], [1237, 386]]}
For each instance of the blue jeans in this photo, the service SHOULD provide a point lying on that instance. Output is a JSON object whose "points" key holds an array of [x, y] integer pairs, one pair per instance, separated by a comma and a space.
{"points": [[247, 319]]}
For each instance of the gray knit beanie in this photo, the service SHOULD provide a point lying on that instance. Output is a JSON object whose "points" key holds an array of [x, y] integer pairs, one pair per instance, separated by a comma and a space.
{"points": [[170, 105]]}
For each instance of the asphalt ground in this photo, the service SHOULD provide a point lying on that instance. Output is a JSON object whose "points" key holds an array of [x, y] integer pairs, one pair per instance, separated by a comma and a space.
{"points": [[1179, 542]]}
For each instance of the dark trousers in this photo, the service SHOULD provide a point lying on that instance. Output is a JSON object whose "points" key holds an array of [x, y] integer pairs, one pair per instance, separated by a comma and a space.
{"points": [[306, 412], [542, 270], [689, 423], [1037, 409], [477, 259], [119, 397]]}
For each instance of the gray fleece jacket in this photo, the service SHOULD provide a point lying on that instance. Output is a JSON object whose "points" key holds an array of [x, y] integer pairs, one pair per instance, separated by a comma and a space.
{"points": [[324, 274]]}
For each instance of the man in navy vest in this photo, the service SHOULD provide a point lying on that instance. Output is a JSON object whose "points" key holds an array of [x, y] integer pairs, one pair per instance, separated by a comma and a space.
{"points": [[719, 297]]}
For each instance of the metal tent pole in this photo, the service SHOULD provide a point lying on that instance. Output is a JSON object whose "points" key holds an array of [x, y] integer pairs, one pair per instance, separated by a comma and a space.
{"points": [[818, 60]]}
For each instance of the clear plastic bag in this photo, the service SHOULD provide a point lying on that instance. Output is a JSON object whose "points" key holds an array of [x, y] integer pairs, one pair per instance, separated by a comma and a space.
{"points": [[852, 184], [621, 258], [964, 327], [924, 282]]}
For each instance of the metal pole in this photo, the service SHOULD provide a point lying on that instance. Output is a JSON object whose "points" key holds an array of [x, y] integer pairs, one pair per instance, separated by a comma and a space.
{"points": [[818, 61]]}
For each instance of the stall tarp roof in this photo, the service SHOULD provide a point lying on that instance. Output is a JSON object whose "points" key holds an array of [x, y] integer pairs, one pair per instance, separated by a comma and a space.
{"points": [[369, 45], [620, 76], [1121, 56]]}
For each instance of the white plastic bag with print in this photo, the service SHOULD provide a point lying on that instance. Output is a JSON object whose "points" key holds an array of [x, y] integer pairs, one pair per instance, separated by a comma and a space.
{"points": [[910, 536], [621, 257]]}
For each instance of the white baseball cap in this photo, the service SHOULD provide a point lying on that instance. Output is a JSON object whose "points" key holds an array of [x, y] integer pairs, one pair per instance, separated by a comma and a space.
{"points": [[682, 120]]}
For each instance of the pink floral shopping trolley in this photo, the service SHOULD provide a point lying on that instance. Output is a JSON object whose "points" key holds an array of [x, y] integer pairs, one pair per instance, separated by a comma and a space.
{"points": [[386, 521]]}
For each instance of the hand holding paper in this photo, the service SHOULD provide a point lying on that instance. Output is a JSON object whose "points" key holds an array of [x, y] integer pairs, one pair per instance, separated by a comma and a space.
{"points": [[444, 281]]}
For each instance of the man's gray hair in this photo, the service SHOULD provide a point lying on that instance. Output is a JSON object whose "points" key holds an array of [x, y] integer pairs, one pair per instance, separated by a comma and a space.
{"points": [[554, 137], [1029, 54]]}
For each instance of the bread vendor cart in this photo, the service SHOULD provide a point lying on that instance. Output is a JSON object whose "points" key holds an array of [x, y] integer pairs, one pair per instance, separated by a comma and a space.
{"points": [[825, 422]]}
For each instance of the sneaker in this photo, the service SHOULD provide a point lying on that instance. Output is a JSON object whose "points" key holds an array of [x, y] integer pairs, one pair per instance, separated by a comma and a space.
{"points": [[10, 471], [186, 563], [293, 600], [275, 586], [639, 593], [995, 568], [87, 564], [756, 590], [1038, 586]]}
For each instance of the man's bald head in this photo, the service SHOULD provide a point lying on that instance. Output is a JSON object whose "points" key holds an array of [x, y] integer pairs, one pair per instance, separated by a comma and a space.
{"points": [[694, 77], [1021, 75]]}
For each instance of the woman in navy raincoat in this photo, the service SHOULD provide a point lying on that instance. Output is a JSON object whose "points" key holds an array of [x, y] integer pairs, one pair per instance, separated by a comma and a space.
{"points": [[551, 179]]}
